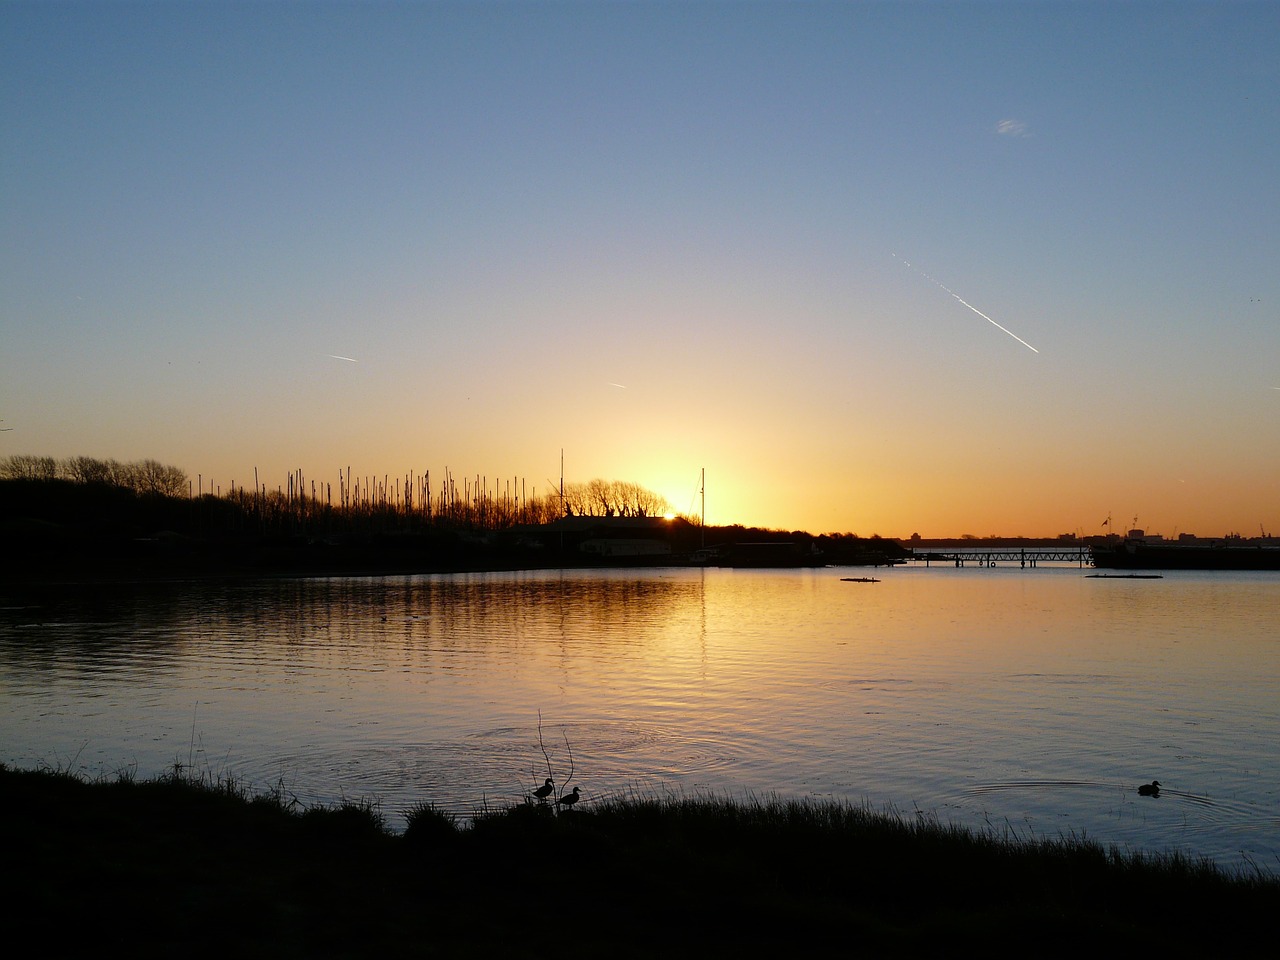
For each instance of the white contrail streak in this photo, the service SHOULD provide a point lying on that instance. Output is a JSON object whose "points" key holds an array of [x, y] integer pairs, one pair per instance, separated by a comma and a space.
{"points": [[350, 359], [968, 304], [620, 386], [992, 322]]}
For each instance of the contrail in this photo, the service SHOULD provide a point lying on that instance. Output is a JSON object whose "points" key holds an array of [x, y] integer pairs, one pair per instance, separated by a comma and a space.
{"points": [[969, 305], [620, 386], [354, 360], [992, 322]]}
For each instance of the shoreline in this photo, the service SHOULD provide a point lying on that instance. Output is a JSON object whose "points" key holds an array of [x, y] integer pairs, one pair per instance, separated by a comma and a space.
{"points": [[154, 863], [131, 570]]}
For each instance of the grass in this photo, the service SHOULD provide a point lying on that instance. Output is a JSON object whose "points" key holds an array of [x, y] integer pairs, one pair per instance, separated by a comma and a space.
{"points": [[201, 867]]}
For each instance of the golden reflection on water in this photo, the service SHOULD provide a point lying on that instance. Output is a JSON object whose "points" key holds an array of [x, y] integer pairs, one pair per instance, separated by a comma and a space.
{"points": [[973, 693]]}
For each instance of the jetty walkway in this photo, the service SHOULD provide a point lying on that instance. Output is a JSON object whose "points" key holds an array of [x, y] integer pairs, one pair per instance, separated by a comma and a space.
{"points": [[990, 557]]}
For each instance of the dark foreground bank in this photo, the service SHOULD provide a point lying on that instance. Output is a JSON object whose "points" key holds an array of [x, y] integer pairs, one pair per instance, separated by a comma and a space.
{"points": [[59, 531], [174, 867]]}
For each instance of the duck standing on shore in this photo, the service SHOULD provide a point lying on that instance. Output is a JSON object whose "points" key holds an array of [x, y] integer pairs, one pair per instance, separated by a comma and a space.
{"points": [[1151, 789], [544, 791], [569, 799]]}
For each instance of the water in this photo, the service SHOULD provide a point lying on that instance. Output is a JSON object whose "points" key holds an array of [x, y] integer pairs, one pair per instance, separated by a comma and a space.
{"points": [[1029, 702]]}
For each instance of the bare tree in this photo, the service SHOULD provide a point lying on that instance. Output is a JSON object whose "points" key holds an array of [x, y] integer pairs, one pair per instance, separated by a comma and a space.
{"points": [[122, 474], [86, 470], [650, 504], [601, 499], [25, 466], [577, 500], [155, 477]]}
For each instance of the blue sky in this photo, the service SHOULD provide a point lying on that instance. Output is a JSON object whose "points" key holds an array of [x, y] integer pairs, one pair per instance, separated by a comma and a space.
{"points": [[660, 237]]}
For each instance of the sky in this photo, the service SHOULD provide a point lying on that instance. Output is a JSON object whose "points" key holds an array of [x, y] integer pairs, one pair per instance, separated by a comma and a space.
{"points": [[882, 268]]}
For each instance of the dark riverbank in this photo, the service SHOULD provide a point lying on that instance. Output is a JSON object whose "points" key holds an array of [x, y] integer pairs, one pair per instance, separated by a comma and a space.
{"points": [[57, 531], [171, 866]]}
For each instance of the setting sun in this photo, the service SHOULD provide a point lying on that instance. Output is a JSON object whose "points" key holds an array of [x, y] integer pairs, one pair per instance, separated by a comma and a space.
{"points": [[580, 459], [419, 272]]}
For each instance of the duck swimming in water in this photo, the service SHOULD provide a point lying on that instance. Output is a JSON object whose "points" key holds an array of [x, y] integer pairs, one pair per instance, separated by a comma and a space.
{"points": [[1151, 789], [544, 791]]}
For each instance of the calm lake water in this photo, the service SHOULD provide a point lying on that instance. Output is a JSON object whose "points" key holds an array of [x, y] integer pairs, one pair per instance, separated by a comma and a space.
{"points": [[1031, 702]]}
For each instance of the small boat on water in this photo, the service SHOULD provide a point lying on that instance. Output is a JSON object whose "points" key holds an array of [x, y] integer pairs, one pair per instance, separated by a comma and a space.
{"points": [[1124, 576], [859, 580]]}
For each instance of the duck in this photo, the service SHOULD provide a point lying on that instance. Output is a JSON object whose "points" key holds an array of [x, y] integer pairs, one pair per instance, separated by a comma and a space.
{"points": [[1151, 789], [544, 791], [569, 799]]}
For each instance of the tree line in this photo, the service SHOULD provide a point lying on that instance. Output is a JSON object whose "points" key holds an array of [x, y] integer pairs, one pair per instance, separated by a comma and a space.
{"points": [[613, 498], [82, 516], [353, 504], [140, 476]]}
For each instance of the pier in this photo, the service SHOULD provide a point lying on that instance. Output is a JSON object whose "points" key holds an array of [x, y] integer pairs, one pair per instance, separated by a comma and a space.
{"points": [[990, 557]]}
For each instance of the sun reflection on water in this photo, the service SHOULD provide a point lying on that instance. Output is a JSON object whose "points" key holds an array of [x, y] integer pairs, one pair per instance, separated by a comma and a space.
{"points": [[1039, 698]]}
